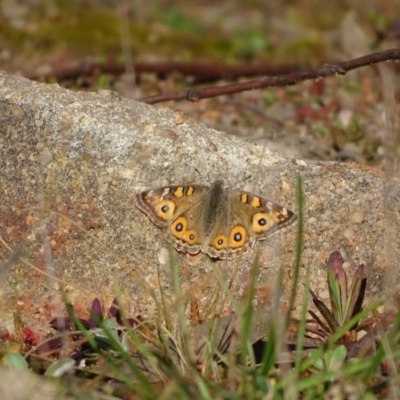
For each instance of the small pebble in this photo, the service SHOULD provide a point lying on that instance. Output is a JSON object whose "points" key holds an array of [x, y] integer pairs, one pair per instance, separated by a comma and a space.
{"points": [[357, 217]]}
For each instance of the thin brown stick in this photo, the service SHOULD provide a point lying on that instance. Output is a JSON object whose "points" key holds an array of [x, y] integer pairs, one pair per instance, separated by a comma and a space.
{"points": [[201, 71], [324, 70]]}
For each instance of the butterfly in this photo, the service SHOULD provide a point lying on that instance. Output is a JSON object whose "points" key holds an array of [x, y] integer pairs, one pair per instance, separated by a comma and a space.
{"points": [[220, 222]]}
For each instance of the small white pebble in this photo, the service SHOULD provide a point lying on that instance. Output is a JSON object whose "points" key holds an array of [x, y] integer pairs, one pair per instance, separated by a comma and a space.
{"points": [[163, 256], [357, 217], [348, 233]]}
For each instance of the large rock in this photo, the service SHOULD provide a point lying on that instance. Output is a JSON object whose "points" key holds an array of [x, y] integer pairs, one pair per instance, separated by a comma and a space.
{"points": [[69, 168]]}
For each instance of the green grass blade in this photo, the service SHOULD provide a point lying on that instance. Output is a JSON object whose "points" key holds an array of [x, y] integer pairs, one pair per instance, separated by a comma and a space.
{"points": [[299, 245]]}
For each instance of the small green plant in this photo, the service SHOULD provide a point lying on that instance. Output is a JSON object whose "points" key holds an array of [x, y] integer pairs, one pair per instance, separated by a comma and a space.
{"points": [[346, 302]]}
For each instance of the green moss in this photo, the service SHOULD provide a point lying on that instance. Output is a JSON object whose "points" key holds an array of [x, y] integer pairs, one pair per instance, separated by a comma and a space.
{"points": [[177, 20], [380, 21], [321, 129], [103, 82], [352, 133], [96, 33], [315, 14], [309, 50], [12, 37], [370, 149], [94, 30], [353, 87], [269, 97], [249, 43]]}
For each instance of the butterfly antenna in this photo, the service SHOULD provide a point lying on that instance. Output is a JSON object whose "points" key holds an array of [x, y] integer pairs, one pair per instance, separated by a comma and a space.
{"points": [[258, 170], [202, 176], [242, 180]]}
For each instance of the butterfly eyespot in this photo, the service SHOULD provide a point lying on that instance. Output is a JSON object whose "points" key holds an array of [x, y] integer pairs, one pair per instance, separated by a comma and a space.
{"points": [[178, 228], [191, 237], [165, 209], [220, 242], [238, 236], [262, 221]]}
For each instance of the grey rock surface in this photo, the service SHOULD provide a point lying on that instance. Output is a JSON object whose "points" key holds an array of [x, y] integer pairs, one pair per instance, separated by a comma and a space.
{"points": [[71, 163], [19, 385]]}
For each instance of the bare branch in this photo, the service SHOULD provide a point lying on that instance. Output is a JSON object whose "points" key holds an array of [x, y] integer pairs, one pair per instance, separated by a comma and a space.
{"points": [[324, 70], [200, 71]]}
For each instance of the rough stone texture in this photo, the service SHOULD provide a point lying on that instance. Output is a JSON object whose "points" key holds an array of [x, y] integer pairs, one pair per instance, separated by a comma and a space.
{"points": [[71, 162], [20, 384]]}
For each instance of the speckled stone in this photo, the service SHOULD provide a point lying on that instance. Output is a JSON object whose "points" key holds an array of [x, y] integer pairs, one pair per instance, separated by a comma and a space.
{"points": [[71, 162]]}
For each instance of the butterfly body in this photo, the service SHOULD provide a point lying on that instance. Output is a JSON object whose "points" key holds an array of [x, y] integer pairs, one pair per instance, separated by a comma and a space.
{"points": [[214, 220]]}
